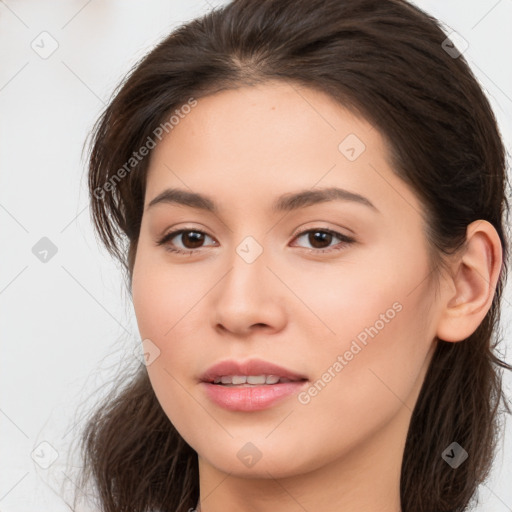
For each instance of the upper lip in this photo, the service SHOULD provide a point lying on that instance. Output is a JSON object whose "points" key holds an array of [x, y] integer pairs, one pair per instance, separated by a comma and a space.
{"points": [[250, 367]]}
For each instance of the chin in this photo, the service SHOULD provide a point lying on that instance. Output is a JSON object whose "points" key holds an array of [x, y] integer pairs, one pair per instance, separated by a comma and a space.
{"points": [[262, 459]]}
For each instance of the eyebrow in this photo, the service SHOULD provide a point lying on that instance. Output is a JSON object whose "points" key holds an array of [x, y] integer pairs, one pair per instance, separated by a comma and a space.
{"points": [[286, 202]]}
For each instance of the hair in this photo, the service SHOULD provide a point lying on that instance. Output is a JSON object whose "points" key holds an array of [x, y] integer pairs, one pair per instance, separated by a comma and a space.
{"points": [[384, 60]]}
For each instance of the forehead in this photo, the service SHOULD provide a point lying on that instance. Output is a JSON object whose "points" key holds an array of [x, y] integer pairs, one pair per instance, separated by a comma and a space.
{"points": [[274, 137], [264, 120]]}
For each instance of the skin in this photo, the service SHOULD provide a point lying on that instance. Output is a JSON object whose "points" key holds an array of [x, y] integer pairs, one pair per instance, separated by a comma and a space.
{"points": [[292, 306]]}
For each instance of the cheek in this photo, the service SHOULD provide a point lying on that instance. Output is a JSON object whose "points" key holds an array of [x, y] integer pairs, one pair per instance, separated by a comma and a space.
{"points": [[378, 331], [164, 295], [357, 296], [158, 316], [168, 319], [378, 363], [163, 299], [378, 384]]}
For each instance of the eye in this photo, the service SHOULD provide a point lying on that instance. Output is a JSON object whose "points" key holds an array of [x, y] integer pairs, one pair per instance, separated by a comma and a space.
{"points": [[194, 239], [322, 236]]}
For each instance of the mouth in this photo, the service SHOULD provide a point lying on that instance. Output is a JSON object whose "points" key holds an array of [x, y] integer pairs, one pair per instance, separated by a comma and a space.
{"points": [[251, 380], [255, 372], [251, 385]]}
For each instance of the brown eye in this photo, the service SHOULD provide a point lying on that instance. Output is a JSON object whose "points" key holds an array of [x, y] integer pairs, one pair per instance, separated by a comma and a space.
{"points": [[316, 238], [194, 241], [320, 239], [190, 239]]}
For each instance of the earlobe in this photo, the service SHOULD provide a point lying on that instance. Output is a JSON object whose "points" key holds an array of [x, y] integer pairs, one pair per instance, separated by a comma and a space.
{"points": [[473, 283]]}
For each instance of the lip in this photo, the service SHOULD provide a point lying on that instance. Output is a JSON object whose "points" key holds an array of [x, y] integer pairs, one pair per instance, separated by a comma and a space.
{"points": [[250, 367], [250, 398]]}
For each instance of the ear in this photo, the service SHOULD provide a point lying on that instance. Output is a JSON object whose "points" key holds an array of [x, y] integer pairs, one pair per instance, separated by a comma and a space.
{"points": [[470, 290]]}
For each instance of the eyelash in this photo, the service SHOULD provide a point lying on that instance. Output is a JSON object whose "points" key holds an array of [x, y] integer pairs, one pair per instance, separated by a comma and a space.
{"points": [[345, 240]]}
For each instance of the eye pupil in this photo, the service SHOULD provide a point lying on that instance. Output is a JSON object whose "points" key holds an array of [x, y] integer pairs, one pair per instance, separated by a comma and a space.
{"points": [[196, 237], [323, 236]]}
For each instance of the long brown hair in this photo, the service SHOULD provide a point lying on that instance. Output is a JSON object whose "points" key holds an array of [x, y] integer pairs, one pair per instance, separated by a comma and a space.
{"points": [[387, 61]]}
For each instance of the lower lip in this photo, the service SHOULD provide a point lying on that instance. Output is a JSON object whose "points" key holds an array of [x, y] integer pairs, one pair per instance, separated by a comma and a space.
{"points": [[251, 398]]}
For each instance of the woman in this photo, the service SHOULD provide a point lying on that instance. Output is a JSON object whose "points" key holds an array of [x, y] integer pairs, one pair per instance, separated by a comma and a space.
{"points": [[309, 201]]}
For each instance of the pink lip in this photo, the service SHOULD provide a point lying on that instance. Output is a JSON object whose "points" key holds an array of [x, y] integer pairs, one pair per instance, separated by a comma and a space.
{"points": [[250, 367], [250, 398], [256, 398]]}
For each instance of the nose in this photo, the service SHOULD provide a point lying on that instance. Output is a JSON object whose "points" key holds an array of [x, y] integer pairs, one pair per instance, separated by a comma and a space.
{"points": [[249, 298]]}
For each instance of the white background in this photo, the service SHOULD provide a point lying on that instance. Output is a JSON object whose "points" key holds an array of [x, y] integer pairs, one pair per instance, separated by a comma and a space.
{"points": [[67, 325]]}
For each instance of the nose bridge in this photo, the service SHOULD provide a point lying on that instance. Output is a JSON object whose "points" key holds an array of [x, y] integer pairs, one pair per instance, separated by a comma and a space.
{"points": [[250, 250], [248, 267], [244, 296]]}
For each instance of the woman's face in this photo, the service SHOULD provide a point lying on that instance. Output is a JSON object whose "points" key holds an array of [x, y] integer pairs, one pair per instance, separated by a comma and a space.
{"points": [[333, 291]]}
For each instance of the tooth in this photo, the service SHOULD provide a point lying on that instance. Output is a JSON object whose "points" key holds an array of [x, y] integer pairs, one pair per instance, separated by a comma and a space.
{"points": [[253, 380], [256, 379]]}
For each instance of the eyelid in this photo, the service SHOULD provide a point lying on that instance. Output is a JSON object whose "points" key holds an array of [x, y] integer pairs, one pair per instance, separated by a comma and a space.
{"points": [[163, 240], [319, 227]]}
